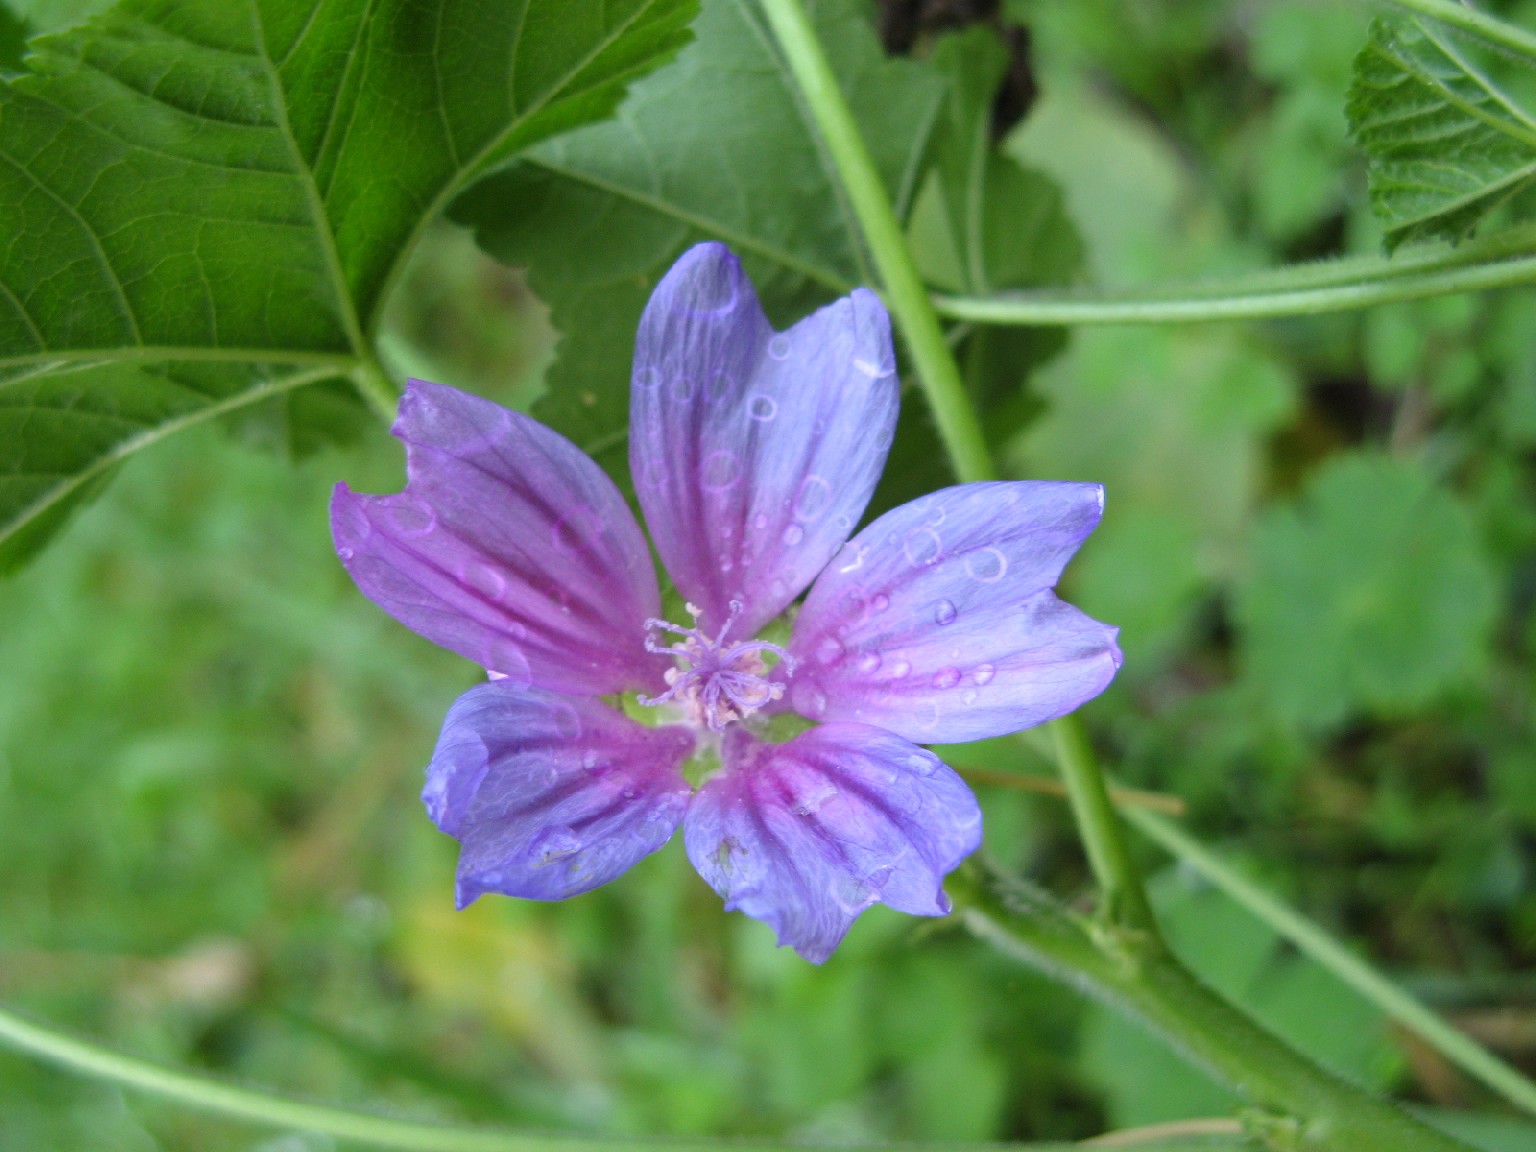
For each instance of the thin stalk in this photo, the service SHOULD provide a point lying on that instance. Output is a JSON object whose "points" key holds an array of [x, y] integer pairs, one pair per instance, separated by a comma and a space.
{"points": [[274, 1110], [1469, 19], [1315, 942], [1332, 286], [1050, 786], [1122, 894], [375, 386], [937, 372], [1302, 1106]]}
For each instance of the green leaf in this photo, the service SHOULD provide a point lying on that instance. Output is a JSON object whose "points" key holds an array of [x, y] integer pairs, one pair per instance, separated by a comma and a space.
{"points": [[224, 193], [1372, 592], [717, 147], [1445, 145]]}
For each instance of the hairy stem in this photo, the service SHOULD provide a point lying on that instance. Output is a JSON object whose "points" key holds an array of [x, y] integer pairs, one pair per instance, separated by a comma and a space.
{"points": [[1304, 1107], [1503, 260], [1121, 956], [1313, 940], [936, 369]]}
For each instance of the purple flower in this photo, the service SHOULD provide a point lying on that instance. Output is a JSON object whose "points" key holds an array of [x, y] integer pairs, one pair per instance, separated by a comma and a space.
{"points": [[754, 454]]}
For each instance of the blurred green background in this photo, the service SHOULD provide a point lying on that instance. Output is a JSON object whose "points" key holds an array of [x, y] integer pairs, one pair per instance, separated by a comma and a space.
{"points": [[1320, 544]]}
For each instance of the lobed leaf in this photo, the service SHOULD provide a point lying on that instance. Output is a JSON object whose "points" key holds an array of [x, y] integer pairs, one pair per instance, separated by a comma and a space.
{"points": [[1445, 146], [224, 193]]}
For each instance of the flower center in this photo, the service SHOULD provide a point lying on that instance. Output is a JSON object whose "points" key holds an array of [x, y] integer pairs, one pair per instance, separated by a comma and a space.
{"points": [[715, 683]]}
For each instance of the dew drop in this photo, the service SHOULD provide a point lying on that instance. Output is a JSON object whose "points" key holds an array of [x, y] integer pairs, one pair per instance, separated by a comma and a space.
{"points": [[793, 535], [873, 371], [923, 765], [778, 347], [879, 604], [983, 674], [944, 612], [868, 662], [486, 581], [811, 802], [946, 677], [813, 499], [842, 523], [553, 844], [810, 701], [344, 553], [829, 651], [970, 696], [880, 876], [720, 470], [589, 760], [760, 521], [551, 774], [411, 519], [567, 724], [719, 384], [987, 566], [900, 669], [762, 408], [922, 547], [646, 378], [682, 389]]}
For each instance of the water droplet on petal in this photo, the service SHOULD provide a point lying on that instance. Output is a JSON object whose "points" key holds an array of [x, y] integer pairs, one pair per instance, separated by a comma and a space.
{"points": [[793, 535], [868, 662], [842, 523], [720, 470], [553, 844], [900, 669], [682, 389], [970, 696], [946, 677], [987, 566], [589, 760], [779, 347], [829, 651], [344, 553], [646, 378], [923, 765], [760, 521], [923, 547], [880, 603], [410, 518], [813, 499], [551, 774], [762, 408], [810, 701], [811, 801], [881, 876], [983, 674], [566, 723], [944, 612], [485, 580]]}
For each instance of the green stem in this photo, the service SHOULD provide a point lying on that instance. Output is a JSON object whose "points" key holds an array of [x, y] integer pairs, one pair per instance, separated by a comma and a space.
{"points": [[375, 386], [1503, 260], [1123, 895], [1312, 940], [260, 1106], [936, 369], [1469, 19], [1307, 1107]]}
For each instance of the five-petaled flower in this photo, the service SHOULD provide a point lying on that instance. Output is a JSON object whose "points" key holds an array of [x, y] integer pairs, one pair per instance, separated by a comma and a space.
{"points": [[753, 453]]}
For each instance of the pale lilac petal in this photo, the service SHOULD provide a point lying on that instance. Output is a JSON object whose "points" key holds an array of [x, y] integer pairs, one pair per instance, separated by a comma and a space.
{"points": [[508, 546], [938, 620], [805, 835], [551, 795], [753, 453]]}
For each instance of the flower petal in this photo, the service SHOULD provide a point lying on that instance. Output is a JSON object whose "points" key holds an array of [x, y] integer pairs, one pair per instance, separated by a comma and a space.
{"points": [[805, 835], [508, 546], [551, 795], [754, 454], [938, 621]]}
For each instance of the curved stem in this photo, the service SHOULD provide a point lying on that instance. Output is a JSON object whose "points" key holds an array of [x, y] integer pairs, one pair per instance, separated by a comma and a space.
{"points": [[1469, 19], [1305, 1106], [375, 386], [1124, 897], [1311, 939], [1331, 286], [260, 1106], [937, 371]]}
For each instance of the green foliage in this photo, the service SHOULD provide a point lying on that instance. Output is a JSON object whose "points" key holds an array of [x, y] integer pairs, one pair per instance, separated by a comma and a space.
{"points": [[202, 205], [1371, 593], [1446, 146]]}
